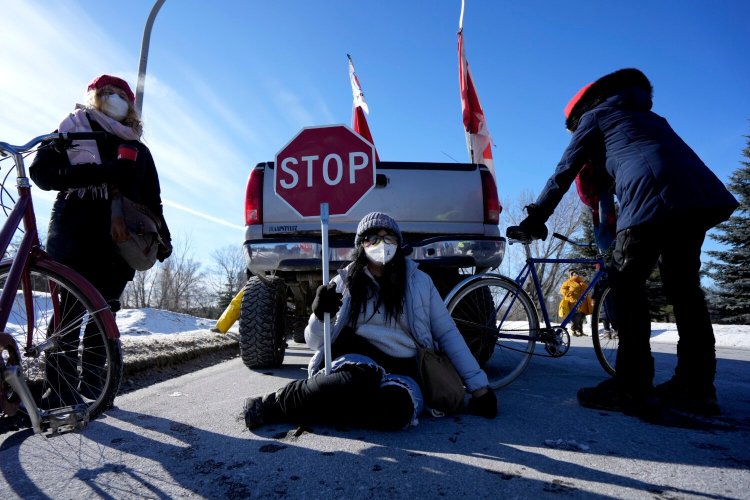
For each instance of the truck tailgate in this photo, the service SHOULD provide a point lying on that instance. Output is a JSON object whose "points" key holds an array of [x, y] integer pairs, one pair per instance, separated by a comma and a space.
{"points": [[452, 205]]}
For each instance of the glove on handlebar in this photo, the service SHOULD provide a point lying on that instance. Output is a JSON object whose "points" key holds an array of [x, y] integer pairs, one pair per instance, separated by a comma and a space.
{"points": [[327, 300], [533, 225], [484, 406]]}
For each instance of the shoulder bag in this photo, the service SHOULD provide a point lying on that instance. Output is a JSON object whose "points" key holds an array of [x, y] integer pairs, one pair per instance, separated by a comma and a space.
{"points": [[442, 386], [139, 251]]}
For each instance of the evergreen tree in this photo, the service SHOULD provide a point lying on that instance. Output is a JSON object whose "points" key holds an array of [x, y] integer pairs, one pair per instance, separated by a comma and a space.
{"points": [[730, 268]]}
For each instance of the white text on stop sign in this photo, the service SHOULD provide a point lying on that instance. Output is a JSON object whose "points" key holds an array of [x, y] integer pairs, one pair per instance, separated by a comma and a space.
{"points": [[357, 161]]}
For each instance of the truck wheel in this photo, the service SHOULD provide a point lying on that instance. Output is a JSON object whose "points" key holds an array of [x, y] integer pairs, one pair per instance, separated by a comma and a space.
{"points": [[477, 309], [298, 322], [263, 323]]}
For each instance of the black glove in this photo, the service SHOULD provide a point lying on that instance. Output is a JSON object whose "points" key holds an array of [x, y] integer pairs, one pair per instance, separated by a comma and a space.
{"points": [[327, 300], [484, 406], [531, 228], [164, 250]]}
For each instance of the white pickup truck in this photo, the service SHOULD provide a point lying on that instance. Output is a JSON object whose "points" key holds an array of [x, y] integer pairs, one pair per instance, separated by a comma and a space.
{"points": [[448, 214]]}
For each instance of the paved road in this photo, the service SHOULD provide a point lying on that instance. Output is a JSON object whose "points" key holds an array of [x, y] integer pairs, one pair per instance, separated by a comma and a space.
{"points": [[180, 438]]}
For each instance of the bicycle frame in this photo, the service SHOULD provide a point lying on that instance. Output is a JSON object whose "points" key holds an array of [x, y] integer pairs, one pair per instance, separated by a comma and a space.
{"points": [[28, 252], [530, 269]]}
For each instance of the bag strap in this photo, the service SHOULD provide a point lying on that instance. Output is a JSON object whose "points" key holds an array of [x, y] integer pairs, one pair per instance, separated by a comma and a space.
{"points": [[416, 342], [118, 202], [144, 210]]}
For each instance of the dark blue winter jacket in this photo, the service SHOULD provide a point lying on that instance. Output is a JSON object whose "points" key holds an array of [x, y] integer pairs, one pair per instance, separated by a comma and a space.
{"points": [[657, 176]]}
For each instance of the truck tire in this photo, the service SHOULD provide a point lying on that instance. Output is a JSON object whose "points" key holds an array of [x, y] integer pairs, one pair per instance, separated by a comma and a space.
{"points": [[477, 310], [263, 323], [481, 346]]}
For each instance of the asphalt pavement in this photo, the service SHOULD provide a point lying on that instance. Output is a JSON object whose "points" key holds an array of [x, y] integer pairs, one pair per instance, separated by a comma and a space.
{"points": [[183, 437]]}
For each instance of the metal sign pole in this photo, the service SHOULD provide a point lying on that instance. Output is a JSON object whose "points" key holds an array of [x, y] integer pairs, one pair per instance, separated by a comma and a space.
{"points": [[324, 258], [145, 43]]}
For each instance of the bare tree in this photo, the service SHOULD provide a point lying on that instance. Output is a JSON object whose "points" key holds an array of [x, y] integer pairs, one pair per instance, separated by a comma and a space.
{"points": [[179, 281], [228, 273], [177, 284], [565, 220], [137, 293]]}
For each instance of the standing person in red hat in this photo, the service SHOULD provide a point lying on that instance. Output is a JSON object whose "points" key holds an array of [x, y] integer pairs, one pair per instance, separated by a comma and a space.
{"points": [[668, 200], [84, 230]]}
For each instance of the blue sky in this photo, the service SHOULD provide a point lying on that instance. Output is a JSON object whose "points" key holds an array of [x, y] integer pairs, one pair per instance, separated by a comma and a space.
{"points": [[231, 82]]}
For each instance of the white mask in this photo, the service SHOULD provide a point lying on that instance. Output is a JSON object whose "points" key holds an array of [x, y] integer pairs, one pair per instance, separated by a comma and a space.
{"points": [[115, 107], [382, 253]]}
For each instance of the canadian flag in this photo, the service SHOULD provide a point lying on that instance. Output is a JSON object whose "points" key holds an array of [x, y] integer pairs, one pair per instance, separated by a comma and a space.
{"points": [[359, 108], [478, 140]]}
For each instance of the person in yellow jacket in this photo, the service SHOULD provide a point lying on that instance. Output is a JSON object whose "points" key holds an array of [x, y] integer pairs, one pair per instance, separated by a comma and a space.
{"points": [[230, 314], [571, 291]]}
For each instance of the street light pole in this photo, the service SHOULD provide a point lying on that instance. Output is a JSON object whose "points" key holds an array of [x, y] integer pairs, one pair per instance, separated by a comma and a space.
{"points": [[144, 55]]}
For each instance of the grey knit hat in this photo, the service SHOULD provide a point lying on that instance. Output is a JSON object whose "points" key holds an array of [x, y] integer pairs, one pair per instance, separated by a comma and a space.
{"points": [[376, 220]]}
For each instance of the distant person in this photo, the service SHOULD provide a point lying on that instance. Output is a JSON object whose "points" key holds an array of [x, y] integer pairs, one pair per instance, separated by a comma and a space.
{"points": [[83, 229], [230, 314], [571, 290], [379, 305], [668, 200]]}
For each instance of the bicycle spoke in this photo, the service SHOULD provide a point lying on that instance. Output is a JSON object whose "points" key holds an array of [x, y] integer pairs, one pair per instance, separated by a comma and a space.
{"points": [[499, 325]]}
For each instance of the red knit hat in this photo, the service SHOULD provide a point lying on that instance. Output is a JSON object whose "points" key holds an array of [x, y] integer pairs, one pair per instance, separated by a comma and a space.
{"points": [[572, 103], [101, 81]]}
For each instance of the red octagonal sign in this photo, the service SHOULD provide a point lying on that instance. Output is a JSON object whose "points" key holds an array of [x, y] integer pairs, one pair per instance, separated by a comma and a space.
{"points": [[331, 164]]}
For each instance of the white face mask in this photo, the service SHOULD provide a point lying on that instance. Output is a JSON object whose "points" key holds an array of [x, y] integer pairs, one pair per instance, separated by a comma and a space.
{"points": [[381, 254], [115, 107]]}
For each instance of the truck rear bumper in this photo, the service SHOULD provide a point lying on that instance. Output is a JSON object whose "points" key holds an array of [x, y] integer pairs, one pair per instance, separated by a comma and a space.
{"points": [[262, 256]]}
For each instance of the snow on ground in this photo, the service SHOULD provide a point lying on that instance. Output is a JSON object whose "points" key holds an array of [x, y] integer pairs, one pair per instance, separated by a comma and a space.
{"points": [[726, 335], [143, 325], [150, 321], [155, 338]]}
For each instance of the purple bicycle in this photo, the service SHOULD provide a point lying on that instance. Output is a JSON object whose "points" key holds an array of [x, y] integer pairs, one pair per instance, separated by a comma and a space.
{"points": [[60, 356]]}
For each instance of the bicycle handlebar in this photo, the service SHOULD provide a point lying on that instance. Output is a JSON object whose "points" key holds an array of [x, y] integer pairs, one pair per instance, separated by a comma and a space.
{"points": [[57, 136], [515, 233]]}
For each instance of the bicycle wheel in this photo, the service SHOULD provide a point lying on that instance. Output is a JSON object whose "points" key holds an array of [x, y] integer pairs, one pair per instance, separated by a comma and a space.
{"points": [[67, 357], [499, 323], [604, 329]]}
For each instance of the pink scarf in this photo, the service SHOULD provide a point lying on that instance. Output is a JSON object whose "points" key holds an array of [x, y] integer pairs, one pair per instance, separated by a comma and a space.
{"points": [[88, 151]]}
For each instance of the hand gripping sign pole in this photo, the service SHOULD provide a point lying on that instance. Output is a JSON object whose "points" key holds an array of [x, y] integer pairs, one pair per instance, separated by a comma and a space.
{"points": [[325, 171], [324, 258]]}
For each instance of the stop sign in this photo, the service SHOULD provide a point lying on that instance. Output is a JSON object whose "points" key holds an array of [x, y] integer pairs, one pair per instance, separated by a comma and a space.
{"points": [[330, 164]]}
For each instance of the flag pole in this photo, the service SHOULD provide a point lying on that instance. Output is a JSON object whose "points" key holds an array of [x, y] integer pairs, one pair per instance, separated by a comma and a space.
{"points": [[461, 19]]}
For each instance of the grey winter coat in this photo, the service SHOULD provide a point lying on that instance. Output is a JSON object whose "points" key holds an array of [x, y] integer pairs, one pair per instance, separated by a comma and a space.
{"points": [[428, 319]]}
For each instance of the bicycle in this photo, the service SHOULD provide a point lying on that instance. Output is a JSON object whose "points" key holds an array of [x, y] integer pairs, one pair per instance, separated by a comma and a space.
{"points": [[60, 355], [500, 323]]}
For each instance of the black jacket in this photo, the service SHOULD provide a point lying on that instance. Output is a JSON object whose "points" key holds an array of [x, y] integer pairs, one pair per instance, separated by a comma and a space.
{"points": [[79, 229]]}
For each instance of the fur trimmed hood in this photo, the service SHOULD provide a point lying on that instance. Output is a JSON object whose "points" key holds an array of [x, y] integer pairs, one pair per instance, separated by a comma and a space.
{"points": [[595, 93]]}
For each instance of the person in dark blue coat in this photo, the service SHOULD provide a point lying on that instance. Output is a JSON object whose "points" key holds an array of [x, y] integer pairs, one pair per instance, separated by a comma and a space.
{"points": [[668, 200]]}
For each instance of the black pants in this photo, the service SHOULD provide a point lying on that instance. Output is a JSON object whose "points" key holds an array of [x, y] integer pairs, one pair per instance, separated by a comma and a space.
{"points": [[676, 247], [351, 395], [577, 322]]}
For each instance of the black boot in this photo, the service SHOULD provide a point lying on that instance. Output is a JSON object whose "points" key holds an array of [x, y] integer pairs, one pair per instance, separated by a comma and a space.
{"points": [[262, 410], [692, 397]]}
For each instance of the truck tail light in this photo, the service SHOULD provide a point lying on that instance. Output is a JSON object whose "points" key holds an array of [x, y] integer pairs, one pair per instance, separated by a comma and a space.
{"points": [[254, 198], [492, 207]]}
